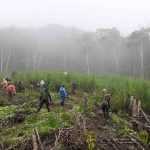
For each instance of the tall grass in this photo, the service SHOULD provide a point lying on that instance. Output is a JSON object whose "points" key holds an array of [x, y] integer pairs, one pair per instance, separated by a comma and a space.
{"points": [[118, 85]]}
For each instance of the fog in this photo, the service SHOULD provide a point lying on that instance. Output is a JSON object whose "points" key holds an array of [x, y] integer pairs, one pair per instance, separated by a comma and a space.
{"points": [[125, 15], [91, 37]]}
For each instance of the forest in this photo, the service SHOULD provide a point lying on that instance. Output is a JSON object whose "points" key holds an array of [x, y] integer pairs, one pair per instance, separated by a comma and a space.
{"points": [[58, 48]]}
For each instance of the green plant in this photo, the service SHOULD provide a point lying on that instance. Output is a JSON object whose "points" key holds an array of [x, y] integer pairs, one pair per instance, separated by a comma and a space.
{"points": [[143, 136], [126, 126], [90, 139]]}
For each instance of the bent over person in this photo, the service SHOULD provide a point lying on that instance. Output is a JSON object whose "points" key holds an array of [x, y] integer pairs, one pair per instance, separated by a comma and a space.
{"points": [[45, 98]]}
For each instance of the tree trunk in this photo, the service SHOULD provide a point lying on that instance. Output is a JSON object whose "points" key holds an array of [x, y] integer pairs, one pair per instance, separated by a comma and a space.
{"points": [[27, 65], [35, 59], [7, 60], [87, 60], [2, 60], [142, 60]]}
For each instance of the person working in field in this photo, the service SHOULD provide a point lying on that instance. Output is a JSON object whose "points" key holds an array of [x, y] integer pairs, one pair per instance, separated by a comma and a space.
{"points": [[4, 84], [31, 85], [85, 101], [45, 98], [106, 102], [63, 95], [11, 89], [74, 88], [108, 96], [42, 84], [20, 87]]}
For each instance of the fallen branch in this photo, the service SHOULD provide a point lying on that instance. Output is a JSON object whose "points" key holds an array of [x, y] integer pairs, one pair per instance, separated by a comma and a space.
{"points": [[34, 142], [26, 142], [39, 140], [145, 116], [56, 140], [139, 145], [114, 146]]}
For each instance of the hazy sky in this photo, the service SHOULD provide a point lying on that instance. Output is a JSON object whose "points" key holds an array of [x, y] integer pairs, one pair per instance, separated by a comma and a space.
{"points": [[126, 15]]}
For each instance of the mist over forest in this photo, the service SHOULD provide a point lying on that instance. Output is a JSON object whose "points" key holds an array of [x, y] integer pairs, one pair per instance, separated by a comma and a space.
{"points": [[58, 48]]}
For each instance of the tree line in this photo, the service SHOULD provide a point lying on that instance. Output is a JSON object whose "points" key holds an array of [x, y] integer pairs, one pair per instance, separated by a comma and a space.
{"points": [[59, 48]]}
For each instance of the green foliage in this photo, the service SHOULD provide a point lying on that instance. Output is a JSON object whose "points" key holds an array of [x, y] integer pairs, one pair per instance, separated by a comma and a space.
{"points": [[90, 139], [96, 97], [143, 136], [3, 101], [6, 112], [54, 121], [126, 126]]}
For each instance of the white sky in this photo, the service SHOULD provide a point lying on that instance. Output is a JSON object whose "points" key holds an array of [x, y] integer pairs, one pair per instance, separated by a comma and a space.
{"points": [[126, 15]]}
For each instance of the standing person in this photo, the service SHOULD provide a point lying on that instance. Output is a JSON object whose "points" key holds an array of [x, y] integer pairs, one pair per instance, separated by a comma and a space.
{"points": [[42, 84], [63, 95], [5, 84], [106, 102], [31, 85], [45, 98], [74, 88], [107, 95], [85, 101], [11, 89], [20, 87], [127, 103], [105, 108]]}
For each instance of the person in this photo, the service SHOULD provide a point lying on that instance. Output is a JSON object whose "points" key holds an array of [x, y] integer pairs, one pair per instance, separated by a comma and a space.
{"points": [[20, 87], [107, 95], [105, 108], [11, 89], [63, 95], [74, 88], [4, 84], [106, 102], [127, 103], [85, 101], [45, 98], [42, 85]]}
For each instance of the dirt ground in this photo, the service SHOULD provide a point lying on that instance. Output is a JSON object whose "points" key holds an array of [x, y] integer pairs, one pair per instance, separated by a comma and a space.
{"points": [[104, 130]]}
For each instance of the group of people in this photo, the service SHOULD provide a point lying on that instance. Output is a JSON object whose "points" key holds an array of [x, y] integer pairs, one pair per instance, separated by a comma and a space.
{"points": [[131, 103], [45, 97]]}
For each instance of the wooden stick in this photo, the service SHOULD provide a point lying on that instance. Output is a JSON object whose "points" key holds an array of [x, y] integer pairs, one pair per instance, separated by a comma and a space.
{"points": [[114, 146], [145, 116], [34, 142], [39, 140], [139, 145]]}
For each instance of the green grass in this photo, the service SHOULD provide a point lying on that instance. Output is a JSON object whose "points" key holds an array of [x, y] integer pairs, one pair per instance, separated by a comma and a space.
{"points": [[117, 84], [62, 117]]}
